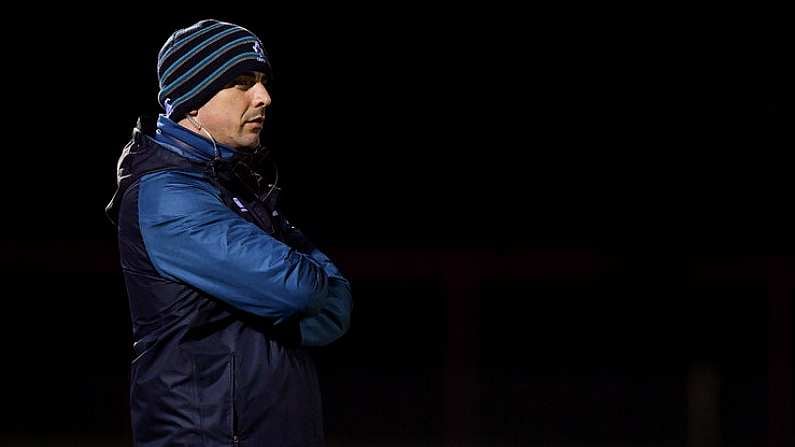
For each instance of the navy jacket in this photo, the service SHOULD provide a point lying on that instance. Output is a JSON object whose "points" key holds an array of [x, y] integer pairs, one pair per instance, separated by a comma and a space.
{"points": [[223, 293]]}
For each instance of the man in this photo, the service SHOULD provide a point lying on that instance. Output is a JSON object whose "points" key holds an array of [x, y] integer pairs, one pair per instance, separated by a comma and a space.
{"points": [[224, 293]]}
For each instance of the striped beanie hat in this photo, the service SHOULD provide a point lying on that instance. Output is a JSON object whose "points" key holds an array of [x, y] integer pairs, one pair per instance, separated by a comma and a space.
{"points": [[197, 61]]}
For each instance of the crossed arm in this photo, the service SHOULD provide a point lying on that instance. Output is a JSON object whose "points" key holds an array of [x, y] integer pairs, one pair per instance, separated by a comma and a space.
{"points": [[191, 236]]}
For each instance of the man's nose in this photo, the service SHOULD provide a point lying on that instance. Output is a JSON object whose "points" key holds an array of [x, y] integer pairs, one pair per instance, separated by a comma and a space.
{"points": [[261, 96]]}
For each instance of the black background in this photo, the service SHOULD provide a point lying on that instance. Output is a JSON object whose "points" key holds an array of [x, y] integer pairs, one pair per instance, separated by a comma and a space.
{"points": [[658, 140]]}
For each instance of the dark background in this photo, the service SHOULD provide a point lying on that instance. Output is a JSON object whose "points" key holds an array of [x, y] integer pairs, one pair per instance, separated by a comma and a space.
{"points": [[566, 227]]}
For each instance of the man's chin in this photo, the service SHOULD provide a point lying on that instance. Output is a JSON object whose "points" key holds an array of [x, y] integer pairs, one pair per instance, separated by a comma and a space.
{"points": [[249, 144]]}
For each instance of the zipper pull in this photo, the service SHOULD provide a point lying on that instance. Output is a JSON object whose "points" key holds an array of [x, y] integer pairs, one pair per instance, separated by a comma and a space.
{"points": [[235, 440]]}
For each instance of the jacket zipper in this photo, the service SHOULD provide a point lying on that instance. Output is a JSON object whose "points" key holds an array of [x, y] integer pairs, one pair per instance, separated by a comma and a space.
{"points": [[235, 437]]}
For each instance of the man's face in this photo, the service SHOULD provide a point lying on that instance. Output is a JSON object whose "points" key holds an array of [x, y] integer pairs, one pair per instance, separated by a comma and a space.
{"points": [[235, 115]]}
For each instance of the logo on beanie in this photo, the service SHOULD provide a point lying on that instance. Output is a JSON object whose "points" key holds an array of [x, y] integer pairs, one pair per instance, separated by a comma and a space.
{"points": [[260, 52]]}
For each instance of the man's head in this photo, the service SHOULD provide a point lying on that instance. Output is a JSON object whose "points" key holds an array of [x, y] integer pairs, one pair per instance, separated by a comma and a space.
{"points": [[212, 75]]}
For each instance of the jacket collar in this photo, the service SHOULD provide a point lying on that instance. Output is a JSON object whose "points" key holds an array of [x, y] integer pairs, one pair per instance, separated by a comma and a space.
{"points": [[186, 143]]}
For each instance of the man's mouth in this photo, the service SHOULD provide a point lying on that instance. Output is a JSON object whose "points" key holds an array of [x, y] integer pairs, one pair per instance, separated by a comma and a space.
{"points": [[259, 120]]}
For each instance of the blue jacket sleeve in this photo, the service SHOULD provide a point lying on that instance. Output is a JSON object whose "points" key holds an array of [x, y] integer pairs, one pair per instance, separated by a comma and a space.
{"points": [[191, 236], [333, 319]]}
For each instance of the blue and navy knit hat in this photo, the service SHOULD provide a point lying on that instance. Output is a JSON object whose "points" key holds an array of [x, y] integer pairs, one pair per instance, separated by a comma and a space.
{"points": [[197, 61]]}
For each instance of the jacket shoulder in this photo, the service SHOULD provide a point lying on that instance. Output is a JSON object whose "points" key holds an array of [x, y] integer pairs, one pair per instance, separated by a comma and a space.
{"points": [[176, 192]]}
